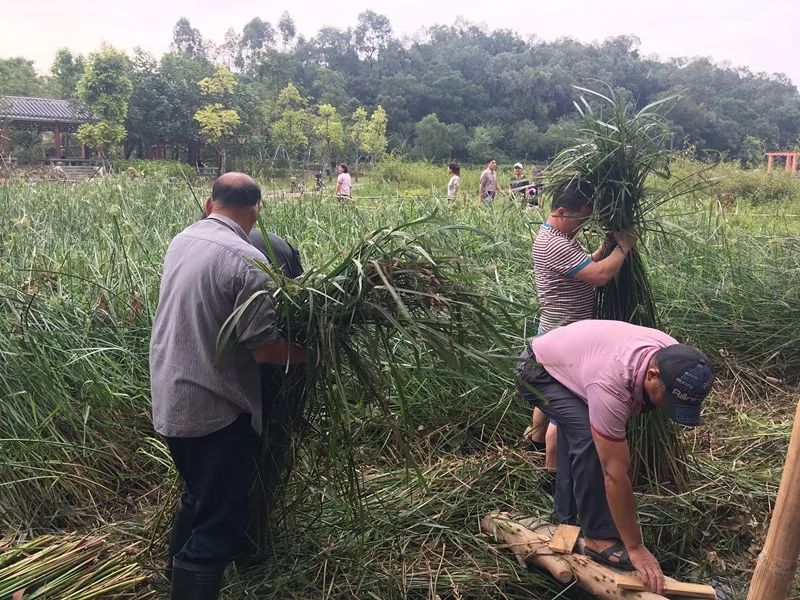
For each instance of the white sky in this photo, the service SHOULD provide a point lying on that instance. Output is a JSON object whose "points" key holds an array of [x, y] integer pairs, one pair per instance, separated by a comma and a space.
{"points": [[762, 35]]}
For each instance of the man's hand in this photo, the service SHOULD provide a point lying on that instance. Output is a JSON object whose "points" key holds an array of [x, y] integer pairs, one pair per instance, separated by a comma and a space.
{"points": [[280, 352], [648, 568], [625, 240]]}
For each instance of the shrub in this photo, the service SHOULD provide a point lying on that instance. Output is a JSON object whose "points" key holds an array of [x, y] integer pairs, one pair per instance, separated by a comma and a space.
{"points": [[164, 168]]}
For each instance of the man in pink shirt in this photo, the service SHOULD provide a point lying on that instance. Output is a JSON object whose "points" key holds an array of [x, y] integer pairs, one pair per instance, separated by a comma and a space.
{"points": [[592, 376]]}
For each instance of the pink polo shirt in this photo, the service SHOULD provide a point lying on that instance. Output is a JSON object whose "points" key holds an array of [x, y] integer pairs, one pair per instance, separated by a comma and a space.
{"points": [[345, 184], [603, 363]]}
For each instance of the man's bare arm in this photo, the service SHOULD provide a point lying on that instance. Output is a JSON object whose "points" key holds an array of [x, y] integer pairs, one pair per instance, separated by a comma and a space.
{"points": [[615, 459], [281, 352], [601, 272]]}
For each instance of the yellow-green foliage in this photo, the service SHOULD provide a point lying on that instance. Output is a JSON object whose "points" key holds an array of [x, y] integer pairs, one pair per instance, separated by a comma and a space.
{"points": [[219, 84], [216, 122]]}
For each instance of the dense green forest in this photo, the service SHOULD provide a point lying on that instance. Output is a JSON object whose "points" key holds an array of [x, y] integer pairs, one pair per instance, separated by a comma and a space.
{"points": [[456, 91]]}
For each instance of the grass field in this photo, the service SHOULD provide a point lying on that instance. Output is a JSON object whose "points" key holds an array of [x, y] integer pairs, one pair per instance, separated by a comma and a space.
{"points": [[79, 463]]}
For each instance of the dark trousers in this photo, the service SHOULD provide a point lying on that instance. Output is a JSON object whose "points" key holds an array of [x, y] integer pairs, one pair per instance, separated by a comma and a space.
{"points": [[217, 471], [580, 485]]}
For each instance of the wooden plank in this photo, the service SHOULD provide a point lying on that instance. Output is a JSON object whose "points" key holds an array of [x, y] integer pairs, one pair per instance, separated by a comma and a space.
{"points": [[671, 587], [563, 540]]}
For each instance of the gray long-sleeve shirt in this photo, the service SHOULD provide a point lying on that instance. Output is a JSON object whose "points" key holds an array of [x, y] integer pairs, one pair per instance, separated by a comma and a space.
{"points": [[208, 274]]}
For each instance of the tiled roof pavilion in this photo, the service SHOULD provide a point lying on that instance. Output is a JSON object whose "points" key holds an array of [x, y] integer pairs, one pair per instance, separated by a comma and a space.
{"points": [[21, 109], [40, 114]]}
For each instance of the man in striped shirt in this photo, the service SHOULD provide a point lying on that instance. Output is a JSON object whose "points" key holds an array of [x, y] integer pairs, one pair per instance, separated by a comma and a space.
{"points": [[208, 404], [566, 277]]}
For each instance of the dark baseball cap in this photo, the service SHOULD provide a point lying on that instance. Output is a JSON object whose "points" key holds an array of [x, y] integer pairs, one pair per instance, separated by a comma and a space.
{"points": [[687, 376]]}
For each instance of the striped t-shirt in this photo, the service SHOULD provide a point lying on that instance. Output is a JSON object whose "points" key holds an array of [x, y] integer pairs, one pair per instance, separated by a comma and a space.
{"points": [[563, 299]]}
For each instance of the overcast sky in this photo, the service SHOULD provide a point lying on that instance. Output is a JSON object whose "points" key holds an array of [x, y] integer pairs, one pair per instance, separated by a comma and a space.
{"points": [[761, 35]]}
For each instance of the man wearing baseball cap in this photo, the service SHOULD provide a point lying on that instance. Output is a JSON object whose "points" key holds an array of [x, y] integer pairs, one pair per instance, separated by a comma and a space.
{"points": [[593, 376], [519, 184]]}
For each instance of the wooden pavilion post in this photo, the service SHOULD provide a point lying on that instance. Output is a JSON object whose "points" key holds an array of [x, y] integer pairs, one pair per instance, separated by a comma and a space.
{"points": [[769, 162], [5, 140], [57, 140], [777, 562]]}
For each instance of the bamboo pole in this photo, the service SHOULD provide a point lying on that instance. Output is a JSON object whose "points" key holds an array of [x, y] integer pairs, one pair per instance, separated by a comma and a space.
{"points": [[777, 562], [532, 547]]}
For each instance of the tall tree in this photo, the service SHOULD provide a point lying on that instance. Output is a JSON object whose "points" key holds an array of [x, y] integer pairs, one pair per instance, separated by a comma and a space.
{"points": [[483, 143], [18, 78], [287, 29], [150, 109], [289, 131], [67, 71], [257, 37], [333, 48], [372, 34], [228, 50], [359, 130], [217, 121], [105, 88], [182, 74], [186, 39], [432, 138], [375, 142], [328, 131]]}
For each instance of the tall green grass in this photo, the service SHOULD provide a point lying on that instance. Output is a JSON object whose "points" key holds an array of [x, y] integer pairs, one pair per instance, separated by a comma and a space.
{"points": [[79, 272]]}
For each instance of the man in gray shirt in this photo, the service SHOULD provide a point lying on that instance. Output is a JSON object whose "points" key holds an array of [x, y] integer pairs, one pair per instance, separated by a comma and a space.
{"points": [[487, 189], [209, 407]]}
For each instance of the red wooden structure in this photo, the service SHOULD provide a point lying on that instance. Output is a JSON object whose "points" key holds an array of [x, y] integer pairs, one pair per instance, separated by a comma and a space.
{"points": [[791, 160], [41, 114]]}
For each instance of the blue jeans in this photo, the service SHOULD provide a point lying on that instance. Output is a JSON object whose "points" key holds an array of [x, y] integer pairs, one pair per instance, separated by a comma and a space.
{"points": [[217, 471]]}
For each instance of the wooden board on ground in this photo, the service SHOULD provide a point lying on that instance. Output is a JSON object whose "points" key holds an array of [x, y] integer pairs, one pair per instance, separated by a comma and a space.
{"points": [[564, 539], [671, 587], [531, 546]]}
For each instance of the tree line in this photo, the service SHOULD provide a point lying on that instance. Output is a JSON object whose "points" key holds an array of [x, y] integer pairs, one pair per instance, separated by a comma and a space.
{"points": [[266, 94]]}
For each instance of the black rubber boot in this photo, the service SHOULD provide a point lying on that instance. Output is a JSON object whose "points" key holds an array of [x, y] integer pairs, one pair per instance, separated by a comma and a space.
{"points": [[181, 530], [191, 581]]}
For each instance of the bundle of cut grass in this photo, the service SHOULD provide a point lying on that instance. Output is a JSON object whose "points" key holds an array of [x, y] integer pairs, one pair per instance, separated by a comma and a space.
{"points": [[397, 298], [71, 567], [621, 151]]}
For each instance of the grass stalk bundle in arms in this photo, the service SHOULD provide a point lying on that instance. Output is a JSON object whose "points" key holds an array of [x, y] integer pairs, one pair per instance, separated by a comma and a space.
{"points": [[620, 151], [397, 298]]}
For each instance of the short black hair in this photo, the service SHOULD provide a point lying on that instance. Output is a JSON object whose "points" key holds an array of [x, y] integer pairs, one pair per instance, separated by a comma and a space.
{"points": [[344, 167], [573, 195], [491, 158], [455, 168], [240, 192]]}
